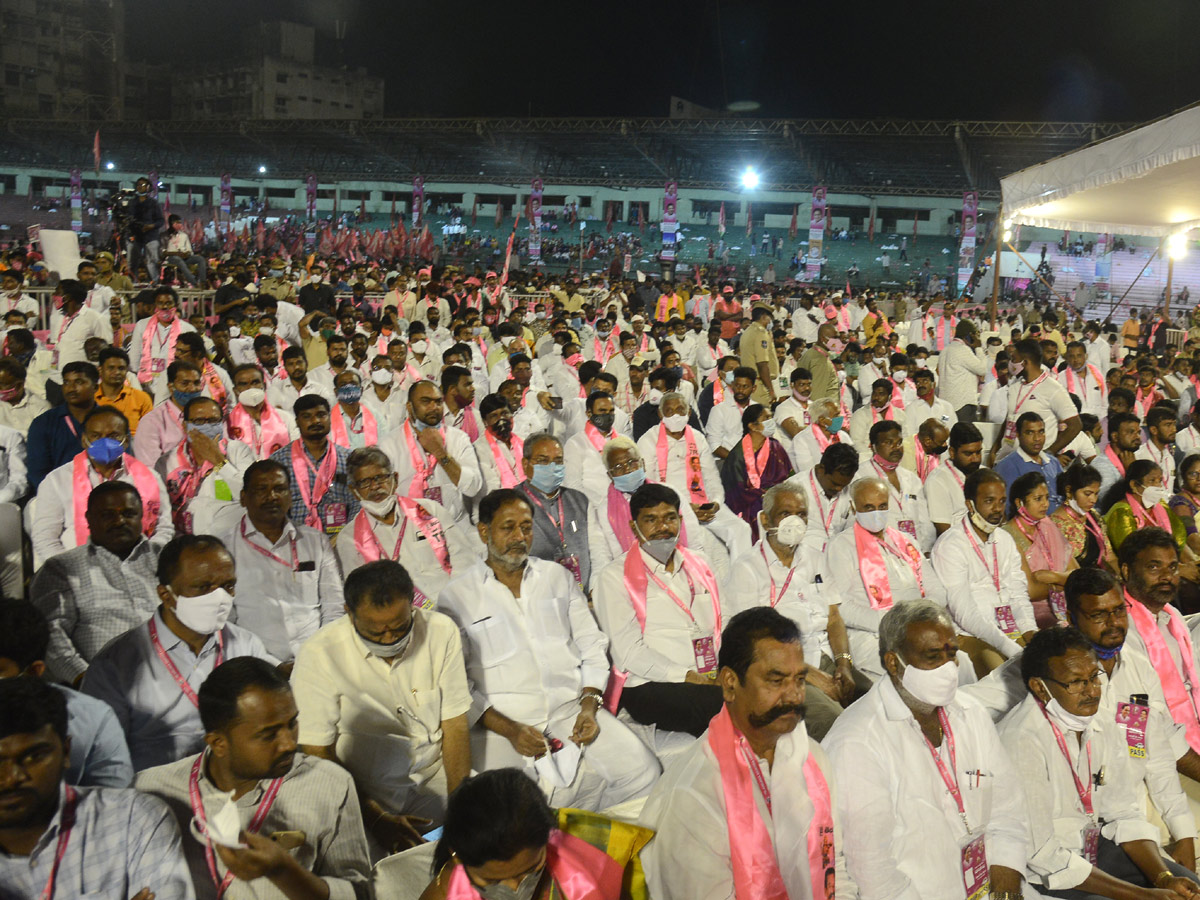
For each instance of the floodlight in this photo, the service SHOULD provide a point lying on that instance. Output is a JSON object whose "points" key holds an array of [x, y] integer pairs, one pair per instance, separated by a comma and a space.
{"points": [[1007, 236], [1177, 246], [262, 170], [749, 179], [1008, 223], [110, 166]]}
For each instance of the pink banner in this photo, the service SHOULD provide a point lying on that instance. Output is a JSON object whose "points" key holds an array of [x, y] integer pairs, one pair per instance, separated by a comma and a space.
{"points": [[966, 247], [226, 195], [816, 234], [310, 193], [670, 221], [418, 201]]}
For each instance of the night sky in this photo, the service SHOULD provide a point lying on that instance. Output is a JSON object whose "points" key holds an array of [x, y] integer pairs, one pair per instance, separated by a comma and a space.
{"points": [[1090, 61]]}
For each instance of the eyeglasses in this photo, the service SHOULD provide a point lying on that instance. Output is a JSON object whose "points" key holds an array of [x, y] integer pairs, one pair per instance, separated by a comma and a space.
{"points": [[1078, 686], [366, 484], [626, 467], [1116, 614]]}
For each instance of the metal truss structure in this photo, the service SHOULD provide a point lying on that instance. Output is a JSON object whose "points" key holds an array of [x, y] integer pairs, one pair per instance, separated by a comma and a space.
{"points": [[876, 157]]}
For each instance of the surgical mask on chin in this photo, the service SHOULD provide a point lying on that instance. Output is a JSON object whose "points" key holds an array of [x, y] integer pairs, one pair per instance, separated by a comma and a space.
{"points": [[1064, 720], [1075, 506], [675, 422], [206, 614], [630, 481], [525, 889], [379, 508], [548, 477], [980, 522], [252, 396], [874, 521], [381, 377], [659, 548], [1152, 496], [791, 531], [387, 651], [935, 687]]}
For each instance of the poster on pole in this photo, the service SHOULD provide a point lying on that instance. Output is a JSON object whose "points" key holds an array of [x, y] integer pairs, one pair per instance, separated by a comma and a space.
{"points": [[153, 179], [1103, 265], [418, 201], [670, 221], [76, 200], [966, 247], [535, 203], [226, 196], [816, 234], [310, 193]]}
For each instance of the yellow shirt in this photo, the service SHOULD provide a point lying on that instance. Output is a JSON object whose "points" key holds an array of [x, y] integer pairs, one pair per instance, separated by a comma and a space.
{"points": [[131, 401]]}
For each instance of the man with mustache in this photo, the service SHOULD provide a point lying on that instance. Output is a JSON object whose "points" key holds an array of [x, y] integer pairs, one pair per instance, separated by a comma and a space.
{"points": [[927, 798], [537, 667], [1087, 829], [119, 843], [755, 765], [1133, 699], [944, 485], [298, 818]]}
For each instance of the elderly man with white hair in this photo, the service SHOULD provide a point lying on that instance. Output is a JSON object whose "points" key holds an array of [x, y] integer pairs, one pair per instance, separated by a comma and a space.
{"points": [[782, 572], [806, 448], [610, 531], [680, 457], [872, 567]]}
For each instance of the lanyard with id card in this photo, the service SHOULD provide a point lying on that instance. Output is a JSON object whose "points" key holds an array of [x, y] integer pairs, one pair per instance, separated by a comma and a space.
{"points": [[1134, 716], [1091, 832], [704, 647]]}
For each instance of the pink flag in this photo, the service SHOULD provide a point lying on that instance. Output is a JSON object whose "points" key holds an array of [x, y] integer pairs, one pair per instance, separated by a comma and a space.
{"points": [[641, 219], [792, 227], [749, 218], [474, 211], [499, 211], [871, 230], [96, 150], [721, 219]]}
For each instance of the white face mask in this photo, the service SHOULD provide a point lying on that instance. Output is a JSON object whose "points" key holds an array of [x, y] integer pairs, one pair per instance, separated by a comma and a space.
{"points": [[935, 687], [381, 376], [234, 331], [791, 531], [768, 428], [979, 521], [1064, 720], [387, 651], [675, 423], [419, 347], [267, 330], [1154, 495], [205, 614], [252, 396], [874, 521], [899, 376], [379, 508]]}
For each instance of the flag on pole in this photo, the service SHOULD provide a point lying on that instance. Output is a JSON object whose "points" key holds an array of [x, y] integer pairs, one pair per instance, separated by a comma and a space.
{"points": [[499, 211], [96, 150], [721, 220], [871, 230], [641, 219], [849, 293], [792, 227], [474, 211], [608, 217]]}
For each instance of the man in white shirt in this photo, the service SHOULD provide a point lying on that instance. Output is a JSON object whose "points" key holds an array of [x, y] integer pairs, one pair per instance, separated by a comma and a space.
{"points": [[74, 324], [980, 567], [150, 674], [700, 808], [878, 409], [907, 511], [874, 368], [1086, 828], [870, 567], [825, 494], [925, 405], [792, 414], [537, 667], [724, 429], [289, 578], [581, 452], [252, 419], [1161, 426], [1099, 351], [961, 368], [781, 573], [433, 460], [19, 406], [152, 344], [929, 802], [806, 448], [661, 609], [383, 691], [806, 321], [680, 458], [1037, 391], [59, 521], [292, 381], [12, 297], [944, 485], [418, 534], [1085, 380]]}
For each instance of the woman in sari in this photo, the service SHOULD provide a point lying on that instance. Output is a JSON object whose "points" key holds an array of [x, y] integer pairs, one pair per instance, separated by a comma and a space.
{"points": [[1046, 556], [1185, 502], [1079, 486], [757, 463], [1139, 500]]}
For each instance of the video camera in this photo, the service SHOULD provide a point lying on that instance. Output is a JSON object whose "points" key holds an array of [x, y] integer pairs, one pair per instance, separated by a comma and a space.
{"points": [[120, 207]]}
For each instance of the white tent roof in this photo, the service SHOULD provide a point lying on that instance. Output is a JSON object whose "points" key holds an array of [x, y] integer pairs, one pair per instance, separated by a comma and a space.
{"points": [[1145, 181]]}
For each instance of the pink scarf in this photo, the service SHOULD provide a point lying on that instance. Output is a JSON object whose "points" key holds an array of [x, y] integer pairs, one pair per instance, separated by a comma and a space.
{"points": [[755, 463], [216, 387], [510, 476], [423, 464], [338, 431], [595, 437], [322, 480], [926, 462], [635, 587], [1083, 379], [756, 874], [693, 473], [186, 479], [1146, 518], [1181, 706], [145, 373], [369, 548], [1115, 460], [143, 479], [469, 425], [873, 569], [274, 430], [579, 869]]}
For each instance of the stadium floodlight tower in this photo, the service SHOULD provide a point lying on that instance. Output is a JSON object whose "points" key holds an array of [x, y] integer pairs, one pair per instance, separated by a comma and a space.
{"points": [[750, 178]]}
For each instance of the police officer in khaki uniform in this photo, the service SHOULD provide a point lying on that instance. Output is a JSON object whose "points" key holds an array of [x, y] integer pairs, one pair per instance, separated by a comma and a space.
{"points": [[108, 276], [276, 284], [757, 350]]}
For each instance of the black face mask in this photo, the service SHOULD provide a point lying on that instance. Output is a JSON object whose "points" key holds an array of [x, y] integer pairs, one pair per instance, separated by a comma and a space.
{"points": [[503, 428], [937, 451], [604, 422]]}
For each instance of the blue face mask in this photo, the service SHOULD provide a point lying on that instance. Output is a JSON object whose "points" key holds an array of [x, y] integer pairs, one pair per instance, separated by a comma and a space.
{"points": [[208, 429], [106, 450], [630, 481], [183, 398], [548, 477], [349, 393], [729, 377], [836, 425], [577, 323]]}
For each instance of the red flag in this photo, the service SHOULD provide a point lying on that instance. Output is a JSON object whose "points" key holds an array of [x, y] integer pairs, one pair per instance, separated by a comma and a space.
{"points": [[721, 219], [608, 217], [499, 211], [508, 253], [641, 219], [871, 230], [197, 235], [362, 206], [572, 214], [166, 204], [529, 209], [96, 150], [749, 218], [792, 227], [474, 211]]}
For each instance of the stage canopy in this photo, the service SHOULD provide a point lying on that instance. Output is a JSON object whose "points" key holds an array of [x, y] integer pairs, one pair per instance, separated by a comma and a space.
{"points": [[1144, 181]]}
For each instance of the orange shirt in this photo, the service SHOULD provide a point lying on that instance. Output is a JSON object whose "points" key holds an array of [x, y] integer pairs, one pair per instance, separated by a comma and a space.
{"points": [[131, 401]]}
